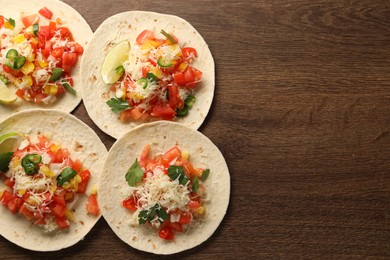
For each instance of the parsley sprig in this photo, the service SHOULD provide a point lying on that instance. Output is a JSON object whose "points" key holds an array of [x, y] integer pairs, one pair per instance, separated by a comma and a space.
{"points": [[134, 174], [177, 173], [150, 214], [118, 105]]}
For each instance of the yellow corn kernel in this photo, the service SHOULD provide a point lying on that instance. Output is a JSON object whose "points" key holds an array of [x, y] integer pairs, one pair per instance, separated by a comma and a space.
{"points": [[54, 148], [29, 30], [21, 192], [200, 210], [32, 201], [149, 44], [94, 190], [158, 72], [69, 215], [185, 155], [27, 68], [53, 188], [18, 38], [27, 79], [182, 66], [42, 63], [73, 183], [66, 185], [50, 89], [30, 57], [7, 25], [15, 162], [34, 41], [176, 48], [47, 171]]}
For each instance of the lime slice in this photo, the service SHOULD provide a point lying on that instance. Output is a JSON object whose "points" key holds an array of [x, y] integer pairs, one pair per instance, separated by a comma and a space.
{"points": [[8, 142], [115, 57], [6, 95]]}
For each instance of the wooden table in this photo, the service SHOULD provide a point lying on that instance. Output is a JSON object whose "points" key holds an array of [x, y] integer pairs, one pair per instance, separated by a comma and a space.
{"points": [[302, 116]]}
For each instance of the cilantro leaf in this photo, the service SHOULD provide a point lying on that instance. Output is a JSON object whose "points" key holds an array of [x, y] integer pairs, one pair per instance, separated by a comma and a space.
{"points": [[195, 184], [150, 214], [117, 105], [5, 159], [205, 174], [12, 22], [177, 173], [134, 174]]}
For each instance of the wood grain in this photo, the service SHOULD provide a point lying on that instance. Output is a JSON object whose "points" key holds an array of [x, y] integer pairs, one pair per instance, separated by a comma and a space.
{"points": [[302, 115]]}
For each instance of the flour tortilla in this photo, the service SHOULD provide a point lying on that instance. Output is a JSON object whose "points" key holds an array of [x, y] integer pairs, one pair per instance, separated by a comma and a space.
{"points": [[81, 32], [83, 144], [161, 136], [127, 26]]}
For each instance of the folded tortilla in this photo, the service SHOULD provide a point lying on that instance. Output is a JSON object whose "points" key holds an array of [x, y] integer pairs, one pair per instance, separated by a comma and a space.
{"points": [[83, 144], [161, 136], [127, 26], [81, 32]]}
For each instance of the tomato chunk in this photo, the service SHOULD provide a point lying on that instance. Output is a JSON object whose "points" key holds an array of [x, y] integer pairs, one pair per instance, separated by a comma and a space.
{"points": [[166, 233], [45, 12], [92, 205], [129, 203]]}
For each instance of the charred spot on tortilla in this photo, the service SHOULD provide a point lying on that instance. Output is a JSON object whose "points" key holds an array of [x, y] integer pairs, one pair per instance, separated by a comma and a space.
{"points": [[78, 147]]}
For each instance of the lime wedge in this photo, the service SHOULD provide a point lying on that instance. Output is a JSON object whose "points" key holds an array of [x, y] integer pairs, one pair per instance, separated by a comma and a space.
{"points": [[115, 57], [6, 95], [8, 142]]}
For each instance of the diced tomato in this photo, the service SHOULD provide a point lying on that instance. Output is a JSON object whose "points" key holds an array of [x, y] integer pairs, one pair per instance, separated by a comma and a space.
{"points": [[174, 99], [6, 68], [53, 28], [77, 165], [26, 212], [166, 233], [78, 48], [125, 116], [193, 204], [58, 210], [15, 204], [59, 200], [30, 20], [9, 183], [6, 197], [65, 33], [185, 218], [92, 205], [136, 114], [176, 226], [189, 77], [145, 71], [1, 21], [46, 51], [164, 111], [129, 203], [172, 153], [69, 59], [85, 175], [57, 52], [143, 36], [45, 12], [145, 153], [44, 32], [189, 53], [62, 222]]}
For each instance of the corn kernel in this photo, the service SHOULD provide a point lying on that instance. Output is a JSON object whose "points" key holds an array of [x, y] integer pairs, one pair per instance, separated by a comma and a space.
{"points": [[42, 63], [149, 44], [69, 215], [78, 178], [27, 79], [15, 162], [66, 185], [30, 57], [21, 192], [47, 171], [94, 190], [158, 72], [185, 155], [54, 148], [176, 48], [29, 30], [50, 89], [200, 210], [182, 66], [18, 38], [7, 25], [27, 68]]}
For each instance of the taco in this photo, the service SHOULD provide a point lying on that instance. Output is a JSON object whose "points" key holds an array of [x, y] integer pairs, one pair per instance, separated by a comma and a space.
{"points": [[48, 179], [164, 188], [145, 66], [40, 51]]}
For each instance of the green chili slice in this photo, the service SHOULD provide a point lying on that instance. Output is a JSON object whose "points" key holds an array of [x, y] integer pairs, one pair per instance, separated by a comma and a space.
{"points": [[34, 158], [182, 112], [168, 36], [164, 63], [69, 88], [66, 175], [190, 100], [56, 74], [142, 82], [120, 70], [35, 29], [31, 168], [12, 54], [19, 62], [152, 77], [4, 79]]}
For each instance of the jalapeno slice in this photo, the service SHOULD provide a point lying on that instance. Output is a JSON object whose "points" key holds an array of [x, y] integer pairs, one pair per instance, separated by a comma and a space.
{"points": [[19, 62], [56, 74]]}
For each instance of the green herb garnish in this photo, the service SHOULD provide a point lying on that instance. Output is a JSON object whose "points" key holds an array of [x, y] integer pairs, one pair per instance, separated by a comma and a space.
{"points": [[117, 105], [150, 214], [195, 184], [168, 36], [68, 87], [205, 174], [11, 22], [134, 174], [177, 173], [5, 159], [56, 74]]}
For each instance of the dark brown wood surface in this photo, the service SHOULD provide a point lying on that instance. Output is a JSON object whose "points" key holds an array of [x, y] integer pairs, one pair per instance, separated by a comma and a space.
{"points": [[302, 115]]}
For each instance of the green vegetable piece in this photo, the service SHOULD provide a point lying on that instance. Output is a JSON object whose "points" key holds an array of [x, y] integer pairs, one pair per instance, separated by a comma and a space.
{"points": [[195, 184], [117, 105], [5, 159], [34, 158], [143, 82], [19, 62], [182, 112], [177, 173], [9, 64], [12, 54], [135, 174], [56, 74], [149, 215], [205, 174], [12, 22], [190, 100], [35, 29], [66, 175], [4, 79], [69, 88], [31, 168], [150, 76], [120, 70], [164, 63], [168, 36]]}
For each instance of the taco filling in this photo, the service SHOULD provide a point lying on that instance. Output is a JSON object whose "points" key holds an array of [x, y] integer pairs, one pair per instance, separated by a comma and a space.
{"points": [[44, 183], [166, 192], [37, 54], [156, 80]]}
